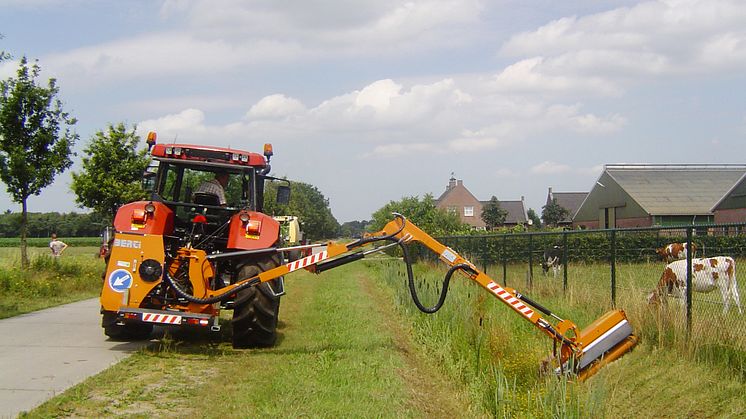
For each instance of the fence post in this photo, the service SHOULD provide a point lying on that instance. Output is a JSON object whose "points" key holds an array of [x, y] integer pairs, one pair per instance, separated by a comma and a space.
{"points": [[688, 282], [505, 259], [530, 261], [564, 262], [613, 268], [485, 254]]}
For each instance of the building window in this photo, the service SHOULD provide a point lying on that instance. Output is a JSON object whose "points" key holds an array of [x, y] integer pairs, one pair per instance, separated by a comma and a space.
{"points": [[468, 211], [452, 210]]}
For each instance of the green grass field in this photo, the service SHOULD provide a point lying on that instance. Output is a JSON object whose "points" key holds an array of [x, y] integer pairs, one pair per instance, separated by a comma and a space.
{"points": [[75, 276]]}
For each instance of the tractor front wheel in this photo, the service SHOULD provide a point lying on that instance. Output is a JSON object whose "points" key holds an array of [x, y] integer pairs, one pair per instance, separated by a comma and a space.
{"points": [[256, 309]]}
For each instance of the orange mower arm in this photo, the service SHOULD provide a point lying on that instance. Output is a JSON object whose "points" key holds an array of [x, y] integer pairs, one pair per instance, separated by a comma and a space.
{"points": [[580, 351]]}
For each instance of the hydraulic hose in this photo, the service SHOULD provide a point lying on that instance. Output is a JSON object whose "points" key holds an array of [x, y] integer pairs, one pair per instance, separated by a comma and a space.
{"points": [[443, 290], [210, 300]]}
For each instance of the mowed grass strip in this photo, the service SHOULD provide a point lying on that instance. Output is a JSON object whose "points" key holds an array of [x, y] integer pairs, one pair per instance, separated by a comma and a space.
{"points": [[341, 353]]}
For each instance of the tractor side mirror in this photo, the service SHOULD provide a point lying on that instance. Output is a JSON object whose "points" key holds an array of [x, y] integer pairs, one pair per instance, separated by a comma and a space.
{"points": [[283, 194], [148, 181]]}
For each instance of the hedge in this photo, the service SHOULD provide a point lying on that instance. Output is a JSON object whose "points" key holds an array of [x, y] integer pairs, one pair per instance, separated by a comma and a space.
{"points": [[591, 246]]}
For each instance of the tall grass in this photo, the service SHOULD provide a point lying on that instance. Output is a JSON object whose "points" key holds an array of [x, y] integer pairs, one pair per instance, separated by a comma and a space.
{"points": [[49, 281], [483, 344], [486, 346]]}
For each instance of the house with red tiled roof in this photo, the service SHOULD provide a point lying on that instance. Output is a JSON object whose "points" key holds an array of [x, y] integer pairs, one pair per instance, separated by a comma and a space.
{"points": [[459, 200]]}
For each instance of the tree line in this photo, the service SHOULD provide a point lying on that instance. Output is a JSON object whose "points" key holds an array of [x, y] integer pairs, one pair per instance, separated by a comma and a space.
{"points": [[71, 224]]}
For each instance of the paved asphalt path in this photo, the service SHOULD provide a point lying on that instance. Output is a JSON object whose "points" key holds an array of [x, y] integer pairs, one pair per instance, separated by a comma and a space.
{"points": [[45, 352]]}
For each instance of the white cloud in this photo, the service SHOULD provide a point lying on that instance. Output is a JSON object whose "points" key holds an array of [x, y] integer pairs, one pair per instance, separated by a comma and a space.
{"points": [[505, 173], [187, 121], [398, 150], [351, 27], [163, 55], [593, 171], [602, 52], [384, 104], [276, 106], [550, 168], [533, 75], [570, 118], [247, 35], [390, 119]]}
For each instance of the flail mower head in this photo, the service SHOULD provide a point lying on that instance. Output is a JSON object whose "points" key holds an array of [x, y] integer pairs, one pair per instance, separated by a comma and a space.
{"points": [[598, 344]]}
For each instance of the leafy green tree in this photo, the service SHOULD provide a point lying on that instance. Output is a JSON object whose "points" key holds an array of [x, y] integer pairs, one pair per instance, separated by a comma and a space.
{"points": [[34, 146], [423, 213], [534, 217], [112, 169], [492, 214], [354, 228], [552, 213], [309, 205]]}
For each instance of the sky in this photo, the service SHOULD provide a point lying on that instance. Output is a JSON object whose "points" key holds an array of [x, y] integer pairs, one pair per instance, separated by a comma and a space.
{"points": [[374, 100]]}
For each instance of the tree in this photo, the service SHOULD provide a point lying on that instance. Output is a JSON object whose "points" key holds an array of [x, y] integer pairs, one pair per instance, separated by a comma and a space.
{"points": [[423, 213], [534, 217], [353, 228], [112, 169], [34, 146], [552, 213], [309, 205], [4, 55], [492, 214]]}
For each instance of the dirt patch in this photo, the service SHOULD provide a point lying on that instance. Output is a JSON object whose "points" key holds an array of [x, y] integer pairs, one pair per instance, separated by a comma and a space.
{"points": [[430, 392]]}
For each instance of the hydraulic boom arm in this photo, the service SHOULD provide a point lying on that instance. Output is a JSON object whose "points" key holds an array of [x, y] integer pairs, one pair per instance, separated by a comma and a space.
{"points": [[580, 351]]}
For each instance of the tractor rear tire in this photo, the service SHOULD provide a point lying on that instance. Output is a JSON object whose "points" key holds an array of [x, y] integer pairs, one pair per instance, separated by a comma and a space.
{"points": [[256, 309], [125, 332]]}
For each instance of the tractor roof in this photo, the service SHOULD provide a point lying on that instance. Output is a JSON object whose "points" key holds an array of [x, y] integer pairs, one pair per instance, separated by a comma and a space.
{"points": [[199, 153]]}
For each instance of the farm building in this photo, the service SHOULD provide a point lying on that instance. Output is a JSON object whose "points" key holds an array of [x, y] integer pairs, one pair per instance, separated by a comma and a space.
{"points": [[642, 195], [568, 200], [731, 208], [458, 199]]}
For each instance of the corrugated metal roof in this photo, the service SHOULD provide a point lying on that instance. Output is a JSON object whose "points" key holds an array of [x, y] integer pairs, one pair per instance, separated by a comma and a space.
{"points": [[676, 189]]}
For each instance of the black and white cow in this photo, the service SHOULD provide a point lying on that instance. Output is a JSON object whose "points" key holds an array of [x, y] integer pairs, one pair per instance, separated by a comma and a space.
{"points": [[552, 259]]}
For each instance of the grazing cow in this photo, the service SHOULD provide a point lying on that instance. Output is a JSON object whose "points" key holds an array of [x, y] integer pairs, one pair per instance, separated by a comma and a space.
{"points": [[552, 259], [675, 251], [707, 274]]}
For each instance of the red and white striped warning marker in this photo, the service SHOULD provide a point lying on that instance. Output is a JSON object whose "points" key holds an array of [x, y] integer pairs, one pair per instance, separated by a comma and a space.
{"points": [[306, 261], [508, 298], [161, 318]]}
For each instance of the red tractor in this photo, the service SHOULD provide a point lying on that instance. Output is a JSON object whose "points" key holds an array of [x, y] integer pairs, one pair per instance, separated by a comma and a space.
{"points": [[191, 239]]}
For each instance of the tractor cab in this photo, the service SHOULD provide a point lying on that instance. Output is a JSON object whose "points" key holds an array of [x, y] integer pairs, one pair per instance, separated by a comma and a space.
{"points": [[205, 187]]}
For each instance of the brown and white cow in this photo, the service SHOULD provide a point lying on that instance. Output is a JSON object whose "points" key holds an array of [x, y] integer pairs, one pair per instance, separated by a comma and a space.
{"points": [[707, 274], [675, 251]]}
